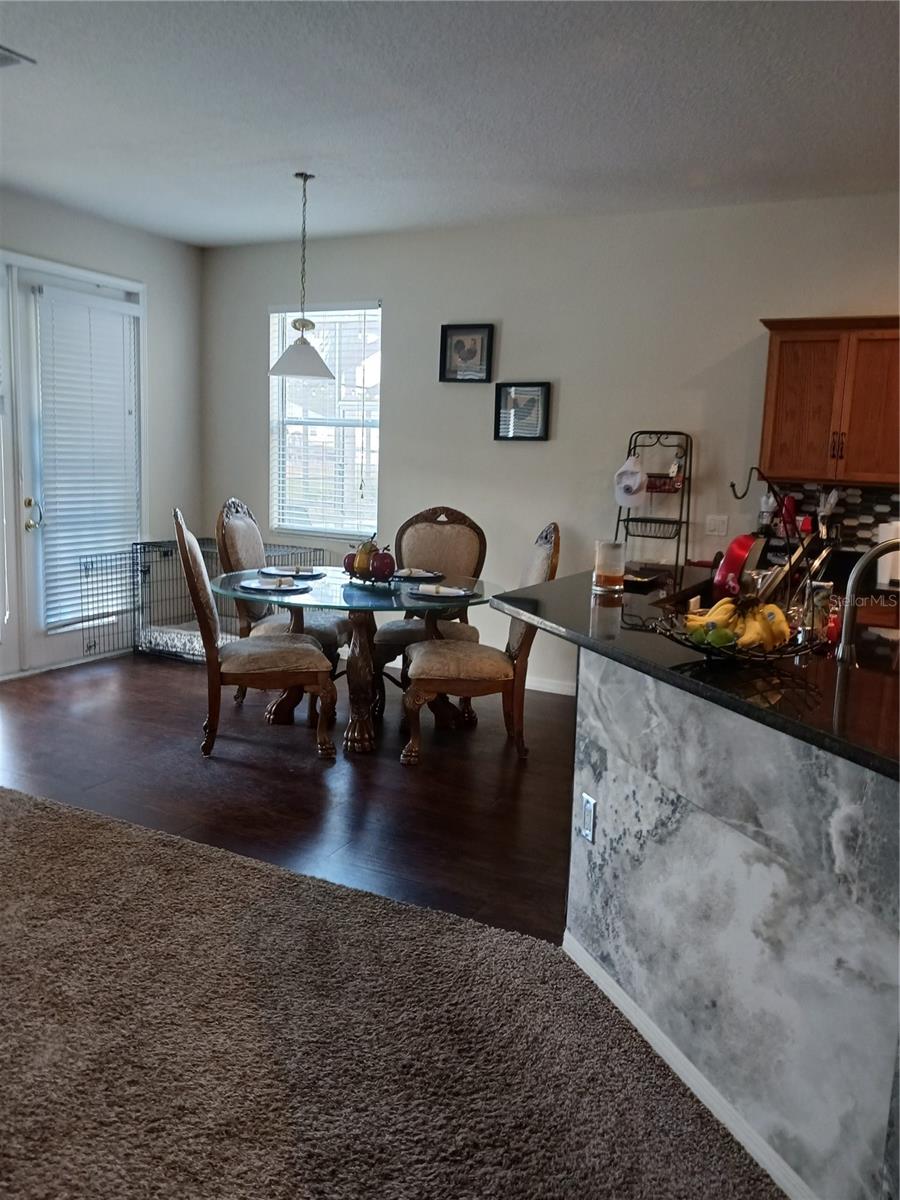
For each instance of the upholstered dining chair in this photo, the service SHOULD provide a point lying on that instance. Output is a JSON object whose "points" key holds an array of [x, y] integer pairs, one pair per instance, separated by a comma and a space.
{"points": [[241, 548], [257, 662], [468, 669], [436, 539]]}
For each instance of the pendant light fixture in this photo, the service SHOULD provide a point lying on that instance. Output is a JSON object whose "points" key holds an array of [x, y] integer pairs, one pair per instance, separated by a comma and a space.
{"points": [[301, 360]]}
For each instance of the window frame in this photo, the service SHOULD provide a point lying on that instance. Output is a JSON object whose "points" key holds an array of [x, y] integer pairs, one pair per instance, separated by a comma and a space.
{"points": [[340, 535]]}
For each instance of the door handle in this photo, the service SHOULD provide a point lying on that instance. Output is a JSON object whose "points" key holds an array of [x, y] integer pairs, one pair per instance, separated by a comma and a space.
{"points": [[30, 524]]}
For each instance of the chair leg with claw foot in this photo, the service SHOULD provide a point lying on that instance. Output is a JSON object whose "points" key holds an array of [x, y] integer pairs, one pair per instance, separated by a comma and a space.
{"points": [[324, 744], [412, 706], [211, 724], [467, 714], [239, 695]]}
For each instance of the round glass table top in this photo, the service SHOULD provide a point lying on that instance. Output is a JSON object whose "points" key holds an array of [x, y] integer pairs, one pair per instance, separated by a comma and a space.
{"points": [[336, 590]]}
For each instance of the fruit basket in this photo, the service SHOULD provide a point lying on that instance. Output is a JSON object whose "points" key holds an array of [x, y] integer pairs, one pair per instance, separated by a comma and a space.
{"points": [[368, 579], [369, 565], [741, 629], [792, 648]]}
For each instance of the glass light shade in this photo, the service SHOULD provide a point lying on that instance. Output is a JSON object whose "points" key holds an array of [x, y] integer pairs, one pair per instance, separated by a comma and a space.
{"points": [[302, 361]]}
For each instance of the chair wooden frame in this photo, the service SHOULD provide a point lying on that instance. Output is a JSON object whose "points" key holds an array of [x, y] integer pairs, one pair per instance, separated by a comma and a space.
{"points": [[512, 691], [441, 514], [317, 683], [230, 509]]}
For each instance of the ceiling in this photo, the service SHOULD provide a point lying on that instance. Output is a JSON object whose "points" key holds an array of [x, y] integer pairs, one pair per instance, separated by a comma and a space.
{"points": [[189, 119]]}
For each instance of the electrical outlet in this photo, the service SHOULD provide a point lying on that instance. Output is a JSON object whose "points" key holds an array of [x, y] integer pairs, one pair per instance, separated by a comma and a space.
{"points": [[588, 817], [717, 525]]}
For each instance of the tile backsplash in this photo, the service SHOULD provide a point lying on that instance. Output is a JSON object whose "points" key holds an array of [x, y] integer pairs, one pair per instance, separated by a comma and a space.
{"points": [[857, 514]]}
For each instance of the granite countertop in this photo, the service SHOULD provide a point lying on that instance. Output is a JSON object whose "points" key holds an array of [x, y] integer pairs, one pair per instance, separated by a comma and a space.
{"points": [[796, 696]]}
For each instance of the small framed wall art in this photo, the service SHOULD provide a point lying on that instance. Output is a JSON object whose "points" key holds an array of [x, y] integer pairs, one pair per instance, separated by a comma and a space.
{"points": [[522, 412], [466, 352]]}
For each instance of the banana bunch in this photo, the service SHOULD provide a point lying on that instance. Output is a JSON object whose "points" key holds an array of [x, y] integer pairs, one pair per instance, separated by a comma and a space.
{"points": [[741, 623]]}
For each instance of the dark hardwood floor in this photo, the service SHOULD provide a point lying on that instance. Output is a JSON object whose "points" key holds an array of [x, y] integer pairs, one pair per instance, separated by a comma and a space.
{"points": [[470, 830]]}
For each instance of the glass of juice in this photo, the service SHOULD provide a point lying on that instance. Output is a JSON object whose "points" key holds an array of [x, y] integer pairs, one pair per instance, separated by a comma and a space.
{"points": [[609, 567]]}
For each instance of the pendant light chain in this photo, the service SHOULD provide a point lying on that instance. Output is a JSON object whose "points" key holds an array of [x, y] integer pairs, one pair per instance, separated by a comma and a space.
{"points": [[306, 178]]}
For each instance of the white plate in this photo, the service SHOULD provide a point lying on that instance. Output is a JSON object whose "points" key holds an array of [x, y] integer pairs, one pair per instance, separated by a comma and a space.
{"points": [[273, 589], [292, 572]]}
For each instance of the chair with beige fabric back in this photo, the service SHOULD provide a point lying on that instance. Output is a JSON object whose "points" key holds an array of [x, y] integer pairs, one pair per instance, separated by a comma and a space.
{"points": [[241, 548], [257, 662], [438, 539], [454, 668]]}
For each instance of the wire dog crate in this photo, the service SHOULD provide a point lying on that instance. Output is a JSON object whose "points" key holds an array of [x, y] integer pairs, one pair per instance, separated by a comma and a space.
{"points": [[138, 599]]}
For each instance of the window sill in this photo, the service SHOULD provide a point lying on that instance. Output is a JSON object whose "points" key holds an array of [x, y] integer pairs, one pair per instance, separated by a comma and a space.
{"points": [[336, 536]]}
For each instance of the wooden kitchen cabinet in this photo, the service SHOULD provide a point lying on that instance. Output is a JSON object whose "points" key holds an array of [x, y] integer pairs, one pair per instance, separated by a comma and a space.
{"points": [[831, 407]]}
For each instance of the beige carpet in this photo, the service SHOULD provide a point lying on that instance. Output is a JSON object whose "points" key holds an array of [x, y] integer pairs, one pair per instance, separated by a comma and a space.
{"points": [[180, 1023]]}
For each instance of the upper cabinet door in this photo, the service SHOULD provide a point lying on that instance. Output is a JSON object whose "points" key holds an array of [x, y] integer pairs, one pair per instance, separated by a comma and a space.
{"points": [[869, 447], [804, 387]]}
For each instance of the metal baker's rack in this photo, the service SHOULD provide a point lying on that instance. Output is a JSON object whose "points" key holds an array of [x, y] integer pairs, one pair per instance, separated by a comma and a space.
{"points": [[671, 486]]}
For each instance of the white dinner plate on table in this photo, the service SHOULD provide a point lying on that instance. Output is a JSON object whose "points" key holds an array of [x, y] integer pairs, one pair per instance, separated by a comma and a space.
{"points": [[407, 574], [292, 572], [445, 593], [290, 587]]}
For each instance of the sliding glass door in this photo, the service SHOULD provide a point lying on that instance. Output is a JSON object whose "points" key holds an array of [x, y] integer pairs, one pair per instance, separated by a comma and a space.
{"points": [[77, 356]]}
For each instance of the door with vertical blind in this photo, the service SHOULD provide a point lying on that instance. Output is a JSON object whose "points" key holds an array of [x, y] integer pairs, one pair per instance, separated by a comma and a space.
{"points": [[10, 650], [79, 440]]}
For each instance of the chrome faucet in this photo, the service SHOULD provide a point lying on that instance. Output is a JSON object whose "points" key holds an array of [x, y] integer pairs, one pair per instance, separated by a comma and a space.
{"points": [[846, 650]]}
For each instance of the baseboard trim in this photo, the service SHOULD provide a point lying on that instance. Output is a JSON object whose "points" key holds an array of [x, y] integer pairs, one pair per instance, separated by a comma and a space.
{"points": [[73, 662], [559, 687], [723, 1110]]}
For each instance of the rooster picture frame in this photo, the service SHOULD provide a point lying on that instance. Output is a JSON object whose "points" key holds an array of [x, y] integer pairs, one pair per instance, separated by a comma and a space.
{"points": [[466, 354]]}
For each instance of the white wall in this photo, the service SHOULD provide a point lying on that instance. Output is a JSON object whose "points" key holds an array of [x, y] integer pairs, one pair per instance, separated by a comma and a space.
{"points": [[639, 321], [171, 273]]}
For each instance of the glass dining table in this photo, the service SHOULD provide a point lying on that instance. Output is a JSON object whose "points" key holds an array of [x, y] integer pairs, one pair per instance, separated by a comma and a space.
{"points": [[335, 590]]}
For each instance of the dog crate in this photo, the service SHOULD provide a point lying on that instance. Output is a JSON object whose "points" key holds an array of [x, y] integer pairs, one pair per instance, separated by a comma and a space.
{"points": [[138, 599]]}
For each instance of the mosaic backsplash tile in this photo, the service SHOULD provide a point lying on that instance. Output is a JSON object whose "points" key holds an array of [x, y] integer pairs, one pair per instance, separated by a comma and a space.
{"points": [[857, 514]]}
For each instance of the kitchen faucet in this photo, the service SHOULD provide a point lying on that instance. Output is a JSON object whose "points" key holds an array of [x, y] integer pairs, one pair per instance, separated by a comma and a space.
{"points": [[846, 650]]}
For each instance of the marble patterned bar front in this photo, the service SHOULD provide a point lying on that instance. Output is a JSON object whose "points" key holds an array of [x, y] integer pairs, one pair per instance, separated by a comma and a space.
{"points": [[741, 890], [835, 820]]}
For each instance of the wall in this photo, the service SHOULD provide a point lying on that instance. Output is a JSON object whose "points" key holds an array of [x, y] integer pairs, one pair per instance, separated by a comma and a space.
{"points": [[639, 321], [171, 273]]}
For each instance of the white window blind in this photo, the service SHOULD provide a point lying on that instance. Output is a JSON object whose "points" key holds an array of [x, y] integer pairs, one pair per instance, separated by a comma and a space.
{"points": [[89, 452], [323, 455]]}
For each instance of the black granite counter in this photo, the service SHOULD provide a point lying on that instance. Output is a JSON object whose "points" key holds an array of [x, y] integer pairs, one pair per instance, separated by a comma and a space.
{"points": [[797, 697]]}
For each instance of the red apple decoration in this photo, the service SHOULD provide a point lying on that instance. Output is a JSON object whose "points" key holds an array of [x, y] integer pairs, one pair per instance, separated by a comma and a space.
{"points": [[348, 562], [382, 565]]}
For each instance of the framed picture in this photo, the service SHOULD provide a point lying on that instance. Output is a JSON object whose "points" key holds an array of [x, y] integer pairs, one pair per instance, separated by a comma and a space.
{"points": [[522, 412], [466, 352]]}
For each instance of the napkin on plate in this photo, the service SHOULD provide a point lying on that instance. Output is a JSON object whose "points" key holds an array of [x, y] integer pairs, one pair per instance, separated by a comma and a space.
{"points": [[413, 573], [440, 589]]}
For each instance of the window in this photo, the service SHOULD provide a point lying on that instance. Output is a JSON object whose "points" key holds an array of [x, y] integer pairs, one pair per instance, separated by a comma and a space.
{"points": [[323, 455], [88, 435]]}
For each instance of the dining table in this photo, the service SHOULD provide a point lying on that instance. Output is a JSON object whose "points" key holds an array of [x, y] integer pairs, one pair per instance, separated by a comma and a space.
{"points": [[331, 588]]}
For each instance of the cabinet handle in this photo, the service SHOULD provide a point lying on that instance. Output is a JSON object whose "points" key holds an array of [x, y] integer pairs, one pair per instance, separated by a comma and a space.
{"points": [[841, 447], [833, 444]]}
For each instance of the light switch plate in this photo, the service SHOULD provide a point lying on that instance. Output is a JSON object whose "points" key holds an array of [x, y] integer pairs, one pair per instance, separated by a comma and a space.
{"points": [[717, 525], [588, 817]]}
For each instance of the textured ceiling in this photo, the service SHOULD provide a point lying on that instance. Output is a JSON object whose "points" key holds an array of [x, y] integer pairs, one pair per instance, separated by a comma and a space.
{"points": [[189, 119]]}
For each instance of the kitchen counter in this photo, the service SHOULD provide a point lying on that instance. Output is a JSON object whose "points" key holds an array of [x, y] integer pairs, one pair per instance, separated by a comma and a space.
{"points": [[733, 882], [797, 697]]}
